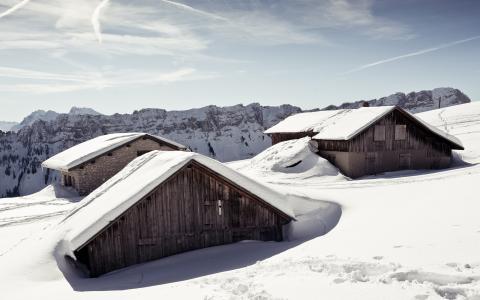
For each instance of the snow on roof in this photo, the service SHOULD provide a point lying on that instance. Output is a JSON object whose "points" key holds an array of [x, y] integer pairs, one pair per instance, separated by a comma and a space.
{"points": [[344, 124], [332, 124], [90, 149], [138, 179]]}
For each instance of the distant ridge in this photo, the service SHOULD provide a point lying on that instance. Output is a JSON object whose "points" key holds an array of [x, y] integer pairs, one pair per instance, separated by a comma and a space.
{"points": [[414, 102], [51, 115]]}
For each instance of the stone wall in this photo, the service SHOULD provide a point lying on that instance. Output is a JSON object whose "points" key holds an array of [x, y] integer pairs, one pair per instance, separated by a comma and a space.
{"points": [[92, 174]]}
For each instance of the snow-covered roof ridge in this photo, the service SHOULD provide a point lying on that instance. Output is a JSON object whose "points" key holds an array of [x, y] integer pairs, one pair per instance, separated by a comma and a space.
{"points": [[138, 179], [344, 124], [83, 152]]}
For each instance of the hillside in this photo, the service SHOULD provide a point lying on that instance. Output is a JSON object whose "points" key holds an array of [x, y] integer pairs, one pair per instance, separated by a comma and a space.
{"points": [[402, 235]]}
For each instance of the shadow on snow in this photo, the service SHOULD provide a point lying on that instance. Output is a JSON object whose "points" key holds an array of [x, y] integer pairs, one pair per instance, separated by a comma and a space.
{"points": [[180, 267]]}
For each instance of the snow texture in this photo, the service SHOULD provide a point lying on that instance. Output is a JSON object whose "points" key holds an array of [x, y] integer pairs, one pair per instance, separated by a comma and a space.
{"points": [[344, 124], [403, 235], [138, 179], [85, 151]]}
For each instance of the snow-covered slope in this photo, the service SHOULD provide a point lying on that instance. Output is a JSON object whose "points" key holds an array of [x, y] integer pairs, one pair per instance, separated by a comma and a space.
{"points": [[289, 160], [403, 235], [463, 121]]}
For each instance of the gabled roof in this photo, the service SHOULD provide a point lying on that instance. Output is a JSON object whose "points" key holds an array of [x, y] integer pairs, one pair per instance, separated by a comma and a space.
{"points": [[138, 179], [86, 151], [344, 124]]}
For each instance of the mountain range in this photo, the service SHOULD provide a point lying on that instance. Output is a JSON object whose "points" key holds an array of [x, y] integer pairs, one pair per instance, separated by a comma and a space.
{"points": [[225, 133]]}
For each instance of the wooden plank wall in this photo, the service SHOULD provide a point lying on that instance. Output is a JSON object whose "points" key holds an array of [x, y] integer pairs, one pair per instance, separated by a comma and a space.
{"points": [[417, 138], [180, 215], [281, 137]]}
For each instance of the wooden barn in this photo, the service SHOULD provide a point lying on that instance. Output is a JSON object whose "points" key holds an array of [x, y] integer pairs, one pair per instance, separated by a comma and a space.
{"points": [[168, 202], [88, 165], [370, 140]]}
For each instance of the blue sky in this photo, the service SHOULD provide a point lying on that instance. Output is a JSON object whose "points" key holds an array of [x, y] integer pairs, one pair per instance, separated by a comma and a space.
{"points": [[118, 55]]}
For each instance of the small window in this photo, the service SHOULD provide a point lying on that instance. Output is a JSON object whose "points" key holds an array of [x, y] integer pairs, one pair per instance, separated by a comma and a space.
{"points": [[128, 145], [67, 180], [110, 154], [379, 133], [400, 132], [92, 162], [219, 204]]}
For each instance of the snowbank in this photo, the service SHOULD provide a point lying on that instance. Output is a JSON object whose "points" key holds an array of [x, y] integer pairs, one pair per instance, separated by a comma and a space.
{"points": [[292, 157], [400, 237]]}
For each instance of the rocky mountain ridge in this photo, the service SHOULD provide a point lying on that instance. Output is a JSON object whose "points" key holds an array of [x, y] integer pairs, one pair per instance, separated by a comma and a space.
{"points": [[51, 115], [414, 102]]}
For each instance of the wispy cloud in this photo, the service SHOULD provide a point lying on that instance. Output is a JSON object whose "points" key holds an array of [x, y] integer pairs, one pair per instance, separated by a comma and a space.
{"points": [[14, 8], [96, 19], [195, 10], [48, 82], [416, 53]]}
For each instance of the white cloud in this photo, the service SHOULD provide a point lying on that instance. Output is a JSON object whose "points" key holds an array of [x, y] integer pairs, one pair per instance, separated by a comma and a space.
{"points": [[68, 23]]}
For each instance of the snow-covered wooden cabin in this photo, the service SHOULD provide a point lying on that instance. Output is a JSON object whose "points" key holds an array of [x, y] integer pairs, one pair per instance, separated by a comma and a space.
{"points": [[89, 164], [370, 140], [167, 202]]}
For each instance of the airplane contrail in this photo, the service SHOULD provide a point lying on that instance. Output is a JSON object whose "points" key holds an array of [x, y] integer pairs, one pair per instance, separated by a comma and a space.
{"points": [[420, 52], [195, 10], [96, 19], [14, 8]]}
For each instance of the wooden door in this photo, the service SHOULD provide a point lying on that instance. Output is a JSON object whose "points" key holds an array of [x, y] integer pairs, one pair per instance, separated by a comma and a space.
{"points": [[370, 163], [404, 161]]}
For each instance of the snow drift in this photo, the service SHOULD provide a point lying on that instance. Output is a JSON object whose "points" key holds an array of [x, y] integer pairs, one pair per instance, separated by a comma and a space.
{"points": [[289, 157]]}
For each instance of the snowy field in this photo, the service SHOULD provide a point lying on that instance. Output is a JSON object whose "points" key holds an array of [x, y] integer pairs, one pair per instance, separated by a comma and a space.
{"points": [[402, 235]]}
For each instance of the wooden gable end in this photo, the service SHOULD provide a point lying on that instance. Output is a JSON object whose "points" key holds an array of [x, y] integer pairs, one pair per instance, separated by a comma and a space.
{"points": [[400, 132], [195, 208]]}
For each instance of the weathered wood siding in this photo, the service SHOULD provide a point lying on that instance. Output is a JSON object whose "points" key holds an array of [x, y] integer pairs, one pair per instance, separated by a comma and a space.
{"points": [[194, 209], [281, 137], [363, 155]]}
